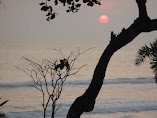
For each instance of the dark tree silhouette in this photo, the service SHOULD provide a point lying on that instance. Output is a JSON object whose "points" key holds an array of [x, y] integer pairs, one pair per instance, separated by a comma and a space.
{"points": [[48, 77], [151, 53], [143, 23], [72, 6]]}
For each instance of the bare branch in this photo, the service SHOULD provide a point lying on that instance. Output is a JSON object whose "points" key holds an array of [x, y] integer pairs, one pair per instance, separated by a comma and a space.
{"points": [[59, 52], [44, 71], [35, 87], [87, 50], [78, 69]]}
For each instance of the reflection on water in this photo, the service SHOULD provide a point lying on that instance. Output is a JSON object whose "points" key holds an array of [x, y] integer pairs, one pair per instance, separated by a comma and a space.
{"points": [[120, 66], [132, 95], [121, 95]]}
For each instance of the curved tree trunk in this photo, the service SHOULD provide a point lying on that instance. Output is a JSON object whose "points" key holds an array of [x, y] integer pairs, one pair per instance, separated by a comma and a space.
{"points": [[86, 102]]}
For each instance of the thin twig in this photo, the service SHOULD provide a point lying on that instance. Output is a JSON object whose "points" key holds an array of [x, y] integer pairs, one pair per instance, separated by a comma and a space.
{"points": [[41, 71]]}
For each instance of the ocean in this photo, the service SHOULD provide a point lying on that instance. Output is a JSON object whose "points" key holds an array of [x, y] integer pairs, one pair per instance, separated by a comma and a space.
{"points": [[127, 92], [119, 98]]}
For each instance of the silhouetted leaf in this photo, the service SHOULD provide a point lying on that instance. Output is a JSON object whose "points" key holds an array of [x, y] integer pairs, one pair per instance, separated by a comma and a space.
{"points": [[53, 16], [56, 2], [44, 8], [78, 5], [50, 9], [63, 1], [85, 1], [72, 8], [90, 4], [48, 14], [67, 10], [42, 3], [48, 19], [96, 2], [99, 3], [69, 2]]}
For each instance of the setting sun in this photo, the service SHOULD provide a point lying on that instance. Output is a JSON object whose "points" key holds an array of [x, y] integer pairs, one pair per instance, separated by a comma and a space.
{"points": [[103, 19]]}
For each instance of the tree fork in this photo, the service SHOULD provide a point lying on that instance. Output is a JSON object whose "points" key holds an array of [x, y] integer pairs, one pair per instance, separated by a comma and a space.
{"points": [[143, 23]]}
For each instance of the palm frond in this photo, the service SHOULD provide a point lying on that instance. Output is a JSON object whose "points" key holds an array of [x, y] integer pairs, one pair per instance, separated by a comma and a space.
{"points": [[154, 65], [154, 48], [142, 53]]}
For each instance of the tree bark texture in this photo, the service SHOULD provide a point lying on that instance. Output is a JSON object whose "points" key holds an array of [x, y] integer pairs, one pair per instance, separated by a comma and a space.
{"points": [[143, 23]]}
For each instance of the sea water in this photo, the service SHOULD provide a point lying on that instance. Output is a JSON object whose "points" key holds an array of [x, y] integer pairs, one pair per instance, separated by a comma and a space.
{"points": [[127, 92], [123, 96]]}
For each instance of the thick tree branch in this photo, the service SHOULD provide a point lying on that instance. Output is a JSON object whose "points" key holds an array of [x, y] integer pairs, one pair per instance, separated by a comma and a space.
{"points": [[142, 8], [86, 102], [151, 26]]}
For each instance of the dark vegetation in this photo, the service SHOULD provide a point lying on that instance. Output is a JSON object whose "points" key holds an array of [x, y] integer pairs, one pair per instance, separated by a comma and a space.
{"points": [[148, 52], [48, 77], [71, 5], [85, 102], [143, 23]]}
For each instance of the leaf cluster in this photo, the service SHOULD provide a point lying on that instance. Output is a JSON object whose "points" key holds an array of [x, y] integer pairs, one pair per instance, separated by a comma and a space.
{"points": [[72, 6], [148, 52], [50, 14]]}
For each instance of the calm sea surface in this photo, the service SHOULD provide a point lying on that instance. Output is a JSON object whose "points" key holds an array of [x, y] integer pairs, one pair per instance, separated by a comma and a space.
{"points": [[128, 91]]}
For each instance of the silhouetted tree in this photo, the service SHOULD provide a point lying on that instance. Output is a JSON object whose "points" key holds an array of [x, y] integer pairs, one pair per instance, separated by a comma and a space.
{"points": [[151, 53], [143, 23], [72, 6], [48, 77]]}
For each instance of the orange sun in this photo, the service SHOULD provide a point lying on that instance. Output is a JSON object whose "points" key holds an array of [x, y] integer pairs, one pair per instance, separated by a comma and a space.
{"points": [[103, 19]]}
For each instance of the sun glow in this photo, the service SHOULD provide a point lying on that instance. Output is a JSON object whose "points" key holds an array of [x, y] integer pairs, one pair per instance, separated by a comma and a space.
{"points": [[103, 19]]}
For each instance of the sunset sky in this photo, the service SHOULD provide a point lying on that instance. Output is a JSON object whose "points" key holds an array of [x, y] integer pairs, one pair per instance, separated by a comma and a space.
{"points": [[127, 91], [23, 22], [24, 27]]}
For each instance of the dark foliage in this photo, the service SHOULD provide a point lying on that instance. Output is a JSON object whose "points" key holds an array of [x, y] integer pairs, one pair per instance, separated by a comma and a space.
{"points": [[72, 6], [151, 53]]}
